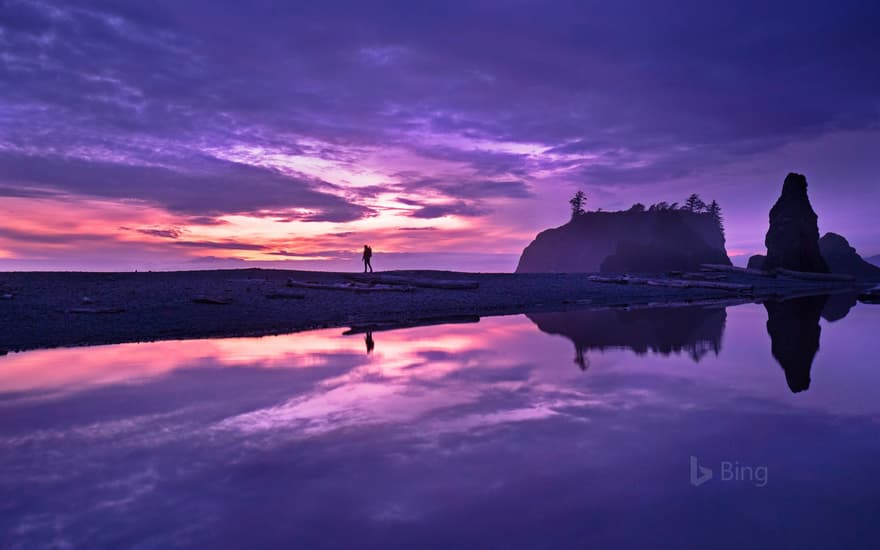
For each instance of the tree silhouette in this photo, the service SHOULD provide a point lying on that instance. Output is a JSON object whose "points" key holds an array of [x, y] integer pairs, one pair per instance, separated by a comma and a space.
{"points": [[637, 207], [577, 203], [714, 210], [694, 204]]}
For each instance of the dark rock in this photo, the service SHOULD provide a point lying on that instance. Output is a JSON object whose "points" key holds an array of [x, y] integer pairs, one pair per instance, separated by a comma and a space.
{"points": [[842, 258], [674, 245], [793, 238], [627, 241], [757, 261], [794, 331], [838, 306]]}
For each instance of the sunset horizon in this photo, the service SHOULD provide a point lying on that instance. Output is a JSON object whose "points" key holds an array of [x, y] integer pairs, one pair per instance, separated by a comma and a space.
{"points": [[420, 274], [180, 137]]}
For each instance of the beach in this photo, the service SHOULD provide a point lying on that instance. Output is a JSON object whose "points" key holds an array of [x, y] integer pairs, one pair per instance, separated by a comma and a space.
{"points": [[57, 309]]}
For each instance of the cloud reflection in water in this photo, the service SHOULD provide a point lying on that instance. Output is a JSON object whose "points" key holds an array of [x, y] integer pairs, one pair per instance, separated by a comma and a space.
{"points": [[484, 433]]}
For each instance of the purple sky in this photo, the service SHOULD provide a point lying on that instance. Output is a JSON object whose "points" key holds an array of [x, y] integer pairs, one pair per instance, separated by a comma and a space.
{"points": [[149, 135]]}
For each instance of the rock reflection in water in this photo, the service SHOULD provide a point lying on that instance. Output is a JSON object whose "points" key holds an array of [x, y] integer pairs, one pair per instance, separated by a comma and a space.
{"points": [[793, 327], [448, 435], [694, 330], [794, 330], [838, 306]]}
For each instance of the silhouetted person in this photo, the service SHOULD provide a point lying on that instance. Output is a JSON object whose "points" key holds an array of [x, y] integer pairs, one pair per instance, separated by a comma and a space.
{"points": [[793, 326], [368, 339], [368, 254]]}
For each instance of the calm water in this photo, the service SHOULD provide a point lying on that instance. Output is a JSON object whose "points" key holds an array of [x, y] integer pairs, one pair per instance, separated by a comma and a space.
{"points": [[585, 429]]}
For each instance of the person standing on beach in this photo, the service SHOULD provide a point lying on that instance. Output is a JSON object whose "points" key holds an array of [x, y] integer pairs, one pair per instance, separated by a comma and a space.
{"points": [[368, 254]]}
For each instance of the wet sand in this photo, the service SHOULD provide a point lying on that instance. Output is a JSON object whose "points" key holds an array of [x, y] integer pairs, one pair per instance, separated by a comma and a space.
{"points": [[44, 310]]}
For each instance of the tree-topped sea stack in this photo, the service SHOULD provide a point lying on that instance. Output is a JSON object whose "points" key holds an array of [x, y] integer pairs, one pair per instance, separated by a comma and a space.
{"points": [[659, 238], [793, 238]]}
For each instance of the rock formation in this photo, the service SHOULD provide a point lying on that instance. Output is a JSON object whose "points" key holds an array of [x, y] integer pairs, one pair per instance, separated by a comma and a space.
{"points": [[627, 241], [674, 245], [842, 258], [757, 261], [839, 256], [793, 238]]}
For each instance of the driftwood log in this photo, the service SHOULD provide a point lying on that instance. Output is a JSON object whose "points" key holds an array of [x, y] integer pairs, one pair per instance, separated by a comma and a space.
{"points": [[355, 287], [96, 310], [285, 296], [735, 269], [702, 303], [415, 282], [710, 276], [735, 287], [212, 301], [809, 276]]}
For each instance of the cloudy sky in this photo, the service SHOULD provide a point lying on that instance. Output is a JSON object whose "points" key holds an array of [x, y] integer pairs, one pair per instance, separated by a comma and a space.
{"points": [[158, 135]]}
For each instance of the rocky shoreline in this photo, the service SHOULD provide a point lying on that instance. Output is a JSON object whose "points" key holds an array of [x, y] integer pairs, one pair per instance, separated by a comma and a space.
{"points": [[45, 310]]}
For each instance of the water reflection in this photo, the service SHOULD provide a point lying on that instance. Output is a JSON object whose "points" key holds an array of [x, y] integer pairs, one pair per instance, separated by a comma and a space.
{"points": [[837, 306], [793, 327], [694, 330], [794, 330], [475, 435]]}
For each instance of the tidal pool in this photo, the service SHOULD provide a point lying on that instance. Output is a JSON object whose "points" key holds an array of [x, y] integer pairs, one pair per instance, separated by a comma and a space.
{"points": [[755, 426]]}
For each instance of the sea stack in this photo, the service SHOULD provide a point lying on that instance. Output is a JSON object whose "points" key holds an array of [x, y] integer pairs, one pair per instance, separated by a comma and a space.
{"points": [[628, 241], [843, 258], [793, 238]]}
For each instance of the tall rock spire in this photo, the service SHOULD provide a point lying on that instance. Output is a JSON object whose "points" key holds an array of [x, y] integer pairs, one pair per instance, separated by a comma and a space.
{"points": [[793, 238]]}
